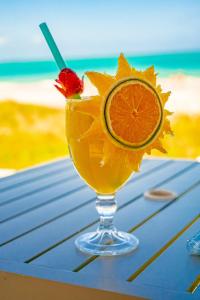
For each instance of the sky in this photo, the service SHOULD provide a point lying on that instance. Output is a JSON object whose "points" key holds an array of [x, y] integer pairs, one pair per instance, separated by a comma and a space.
{"points": [[92, 28]]}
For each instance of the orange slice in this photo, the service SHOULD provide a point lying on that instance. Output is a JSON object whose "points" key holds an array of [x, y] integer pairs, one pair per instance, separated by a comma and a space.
{"points": [[133, 113]]}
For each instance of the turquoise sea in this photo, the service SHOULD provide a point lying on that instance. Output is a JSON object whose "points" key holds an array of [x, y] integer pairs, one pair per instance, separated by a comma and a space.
{"points": [[166, 64]]}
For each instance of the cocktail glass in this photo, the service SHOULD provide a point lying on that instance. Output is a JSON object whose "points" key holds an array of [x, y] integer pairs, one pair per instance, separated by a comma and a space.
{"points": [[133, 117], [103, 172]]}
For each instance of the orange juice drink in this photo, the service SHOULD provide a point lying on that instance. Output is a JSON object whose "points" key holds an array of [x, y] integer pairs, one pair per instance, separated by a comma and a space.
{"points": [[103, 165]]}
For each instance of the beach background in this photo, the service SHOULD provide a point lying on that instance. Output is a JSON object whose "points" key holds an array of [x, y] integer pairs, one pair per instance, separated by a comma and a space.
{"points": [[32, 111]]}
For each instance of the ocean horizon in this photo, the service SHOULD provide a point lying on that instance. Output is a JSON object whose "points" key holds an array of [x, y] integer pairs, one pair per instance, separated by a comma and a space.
{"points": [[187, 63]]}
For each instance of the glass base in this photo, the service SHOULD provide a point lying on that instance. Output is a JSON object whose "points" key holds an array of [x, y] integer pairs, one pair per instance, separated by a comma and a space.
{"points": [[107, 243]]}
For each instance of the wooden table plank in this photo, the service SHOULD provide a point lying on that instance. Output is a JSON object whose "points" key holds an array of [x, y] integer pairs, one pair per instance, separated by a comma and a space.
{"points": [[36, 219], [54, 208], [44, 237], [161, 229], [28, 201], [38, 194], [33, 173], [43, 232], [37, 213], [175, 268], [28, 188], [126, 219], [64, 185]]}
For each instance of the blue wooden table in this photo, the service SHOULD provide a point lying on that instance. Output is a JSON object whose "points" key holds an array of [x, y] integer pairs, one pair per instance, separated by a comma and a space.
{"points": [[44, 209]]}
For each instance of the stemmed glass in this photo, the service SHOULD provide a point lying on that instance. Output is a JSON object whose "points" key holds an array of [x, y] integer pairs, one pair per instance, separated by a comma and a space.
{"points": [[105, 175], [107, 137]]}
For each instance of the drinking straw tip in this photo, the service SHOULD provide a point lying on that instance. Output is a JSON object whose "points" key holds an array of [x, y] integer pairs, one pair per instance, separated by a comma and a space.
{"points": [[52, 45], [41, 24]]}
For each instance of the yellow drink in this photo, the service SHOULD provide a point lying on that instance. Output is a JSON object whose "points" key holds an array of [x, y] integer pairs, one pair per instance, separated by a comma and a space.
{"points": [[102, 164]]}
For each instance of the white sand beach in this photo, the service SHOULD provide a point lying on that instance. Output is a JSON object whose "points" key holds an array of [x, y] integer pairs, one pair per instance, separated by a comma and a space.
{"points": [[185, 97]]}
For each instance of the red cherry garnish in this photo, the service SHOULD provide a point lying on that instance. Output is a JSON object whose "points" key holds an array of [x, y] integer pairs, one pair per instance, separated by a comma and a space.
{"points": [[69, 83]]}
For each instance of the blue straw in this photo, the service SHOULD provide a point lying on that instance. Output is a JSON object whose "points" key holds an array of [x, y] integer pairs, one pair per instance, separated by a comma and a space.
{"points": [[52, 46]]}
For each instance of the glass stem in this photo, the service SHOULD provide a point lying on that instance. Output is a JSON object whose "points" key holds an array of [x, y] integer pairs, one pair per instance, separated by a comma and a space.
{"points": [[106, 207]]}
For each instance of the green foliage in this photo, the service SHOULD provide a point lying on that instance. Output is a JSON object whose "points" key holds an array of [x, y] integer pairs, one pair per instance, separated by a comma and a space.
{"points": [[31, 134]]}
